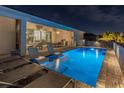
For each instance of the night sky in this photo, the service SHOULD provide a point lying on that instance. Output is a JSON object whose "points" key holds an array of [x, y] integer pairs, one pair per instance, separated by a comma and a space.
{"points": [[91, 19]]}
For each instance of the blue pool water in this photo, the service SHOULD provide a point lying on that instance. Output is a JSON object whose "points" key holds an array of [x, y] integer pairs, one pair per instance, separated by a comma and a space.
{"points": [[82, 64]]}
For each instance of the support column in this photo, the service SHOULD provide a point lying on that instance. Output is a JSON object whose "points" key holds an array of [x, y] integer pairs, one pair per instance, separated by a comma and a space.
{"points": [[23, 38]]}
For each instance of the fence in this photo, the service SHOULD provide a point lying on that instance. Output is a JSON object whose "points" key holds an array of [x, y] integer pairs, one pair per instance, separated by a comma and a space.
{"points": [[119, 51], [99, 44]]}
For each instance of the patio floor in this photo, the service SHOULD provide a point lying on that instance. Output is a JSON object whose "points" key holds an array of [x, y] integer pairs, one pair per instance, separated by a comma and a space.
{"points": [[110, 76]]}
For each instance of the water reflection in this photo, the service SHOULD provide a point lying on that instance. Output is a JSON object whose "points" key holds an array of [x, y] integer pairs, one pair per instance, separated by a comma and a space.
{"points": [[97, 53], [57, 63], [83, 53]]}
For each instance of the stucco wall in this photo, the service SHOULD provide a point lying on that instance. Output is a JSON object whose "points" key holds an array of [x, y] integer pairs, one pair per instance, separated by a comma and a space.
{"points": [[7, 35]]}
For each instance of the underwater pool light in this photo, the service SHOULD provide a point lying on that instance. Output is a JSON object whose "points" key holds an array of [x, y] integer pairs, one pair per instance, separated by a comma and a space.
{"points": [[92, 49]]}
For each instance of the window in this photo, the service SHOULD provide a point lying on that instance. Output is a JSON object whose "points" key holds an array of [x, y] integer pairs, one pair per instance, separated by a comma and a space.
{"points": [[46, 36], [34, 36], [37, 36]]}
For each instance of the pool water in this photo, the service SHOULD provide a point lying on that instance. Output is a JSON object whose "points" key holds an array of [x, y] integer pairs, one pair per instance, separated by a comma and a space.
{"points": [[82, 64]]}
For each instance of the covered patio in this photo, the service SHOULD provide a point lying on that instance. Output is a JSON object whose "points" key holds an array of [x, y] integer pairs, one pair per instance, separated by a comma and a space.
{"points": [[38, 35]]}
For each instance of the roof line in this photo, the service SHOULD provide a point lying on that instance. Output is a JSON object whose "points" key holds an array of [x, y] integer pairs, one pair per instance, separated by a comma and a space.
{"points": [[53, 24]]}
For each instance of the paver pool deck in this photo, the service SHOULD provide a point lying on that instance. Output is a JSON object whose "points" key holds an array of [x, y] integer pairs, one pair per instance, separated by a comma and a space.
{"points": [[110, 76]]}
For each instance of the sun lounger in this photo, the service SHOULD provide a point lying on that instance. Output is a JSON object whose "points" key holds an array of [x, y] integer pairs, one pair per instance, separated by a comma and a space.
{"points": [[50, 80], [20, 73], [51, 50], [12, 64], [35, 55]]}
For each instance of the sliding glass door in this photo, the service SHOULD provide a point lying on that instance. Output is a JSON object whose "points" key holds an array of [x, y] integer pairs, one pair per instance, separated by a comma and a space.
{"points": [[46, 36], [37, 36]]}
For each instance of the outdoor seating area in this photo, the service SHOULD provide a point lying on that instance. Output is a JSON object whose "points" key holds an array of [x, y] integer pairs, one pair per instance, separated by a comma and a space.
{"points": [[21, 73], [24, 73], [17, 72], [38, 53]]}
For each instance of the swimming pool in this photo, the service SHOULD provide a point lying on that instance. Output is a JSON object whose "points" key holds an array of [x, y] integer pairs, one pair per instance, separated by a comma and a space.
{"points": [[82, 64]]}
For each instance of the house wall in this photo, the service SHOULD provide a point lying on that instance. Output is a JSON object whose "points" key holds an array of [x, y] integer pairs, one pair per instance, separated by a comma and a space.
{"points": [[7, 35], [24, 18], [10, 13]]}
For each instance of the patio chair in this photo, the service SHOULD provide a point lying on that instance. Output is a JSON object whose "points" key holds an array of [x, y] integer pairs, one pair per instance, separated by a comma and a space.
{"points": [[12, 77], [51, 50], [12, 62], [50, 80], [35, 55], [41, 45]]}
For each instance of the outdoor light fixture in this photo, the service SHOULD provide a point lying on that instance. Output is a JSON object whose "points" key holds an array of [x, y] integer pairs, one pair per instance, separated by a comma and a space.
{"points": [[57, 63], [92, 49], [57, 32], [97, 53], [97, 43], [84, 53], [83, 42]]}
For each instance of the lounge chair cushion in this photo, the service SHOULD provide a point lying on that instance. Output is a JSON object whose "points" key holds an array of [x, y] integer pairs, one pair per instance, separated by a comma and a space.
{"points": [[39, 59], [57, 53]]}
